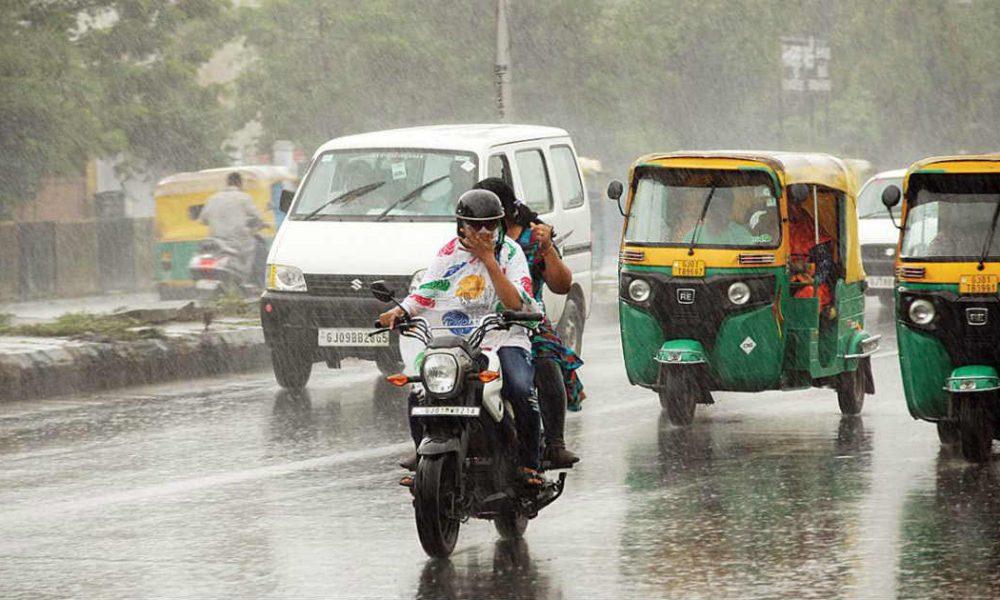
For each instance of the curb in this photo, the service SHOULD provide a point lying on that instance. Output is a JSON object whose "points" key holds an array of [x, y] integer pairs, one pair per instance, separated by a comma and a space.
{"points": [[45, 368]]}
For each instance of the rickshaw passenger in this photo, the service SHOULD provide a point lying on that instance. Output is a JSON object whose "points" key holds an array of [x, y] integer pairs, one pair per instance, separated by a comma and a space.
{"points": [[805, 250]]}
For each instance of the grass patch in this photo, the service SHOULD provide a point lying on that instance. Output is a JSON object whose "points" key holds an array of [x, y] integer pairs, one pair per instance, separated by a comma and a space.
{"points": [[86, 325]]}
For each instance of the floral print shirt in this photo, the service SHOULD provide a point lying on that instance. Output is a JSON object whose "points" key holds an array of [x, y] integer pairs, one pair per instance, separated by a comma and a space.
{"points": [[456, 292]]}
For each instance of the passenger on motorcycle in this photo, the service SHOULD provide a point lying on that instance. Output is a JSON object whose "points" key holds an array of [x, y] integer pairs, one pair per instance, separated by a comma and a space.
{"points": [[475, 274], [534, 237]]}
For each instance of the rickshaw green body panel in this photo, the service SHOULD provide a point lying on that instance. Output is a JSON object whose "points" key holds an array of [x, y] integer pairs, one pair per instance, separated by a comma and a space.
{"points": [[924, 365], [180, 254], [973, 378]]}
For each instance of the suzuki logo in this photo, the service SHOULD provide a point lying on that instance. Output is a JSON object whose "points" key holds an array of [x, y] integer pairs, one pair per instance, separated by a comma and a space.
{"points": [[356, 285], [685, 296], [977, 316]]}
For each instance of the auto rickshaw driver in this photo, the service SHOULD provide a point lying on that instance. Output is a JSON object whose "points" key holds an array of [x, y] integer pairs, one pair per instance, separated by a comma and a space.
{"points": [[716, 225]]}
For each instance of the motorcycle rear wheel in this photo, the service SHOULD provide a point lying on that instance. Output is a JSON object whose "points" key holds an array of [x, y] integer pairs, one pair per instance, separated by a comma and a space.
{"points": [[434, 491]]}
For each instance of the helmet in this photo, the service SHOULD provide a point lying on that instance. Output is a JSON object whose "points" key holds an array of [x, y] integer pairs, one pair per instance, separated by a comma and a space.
{"points": [[481, 208]]}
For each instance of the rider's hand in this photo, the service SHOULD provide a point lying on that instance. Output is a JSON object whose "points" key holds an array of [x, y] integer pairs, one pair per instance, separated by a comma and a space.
{"points": [[542, 233], [478, 243], [389, 317]]}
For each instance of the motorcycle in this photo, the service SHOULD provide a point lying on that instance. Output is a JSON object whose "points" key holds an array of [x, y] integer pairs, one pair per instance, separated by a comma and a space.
{"points": [[467, 460], [215, 273]]}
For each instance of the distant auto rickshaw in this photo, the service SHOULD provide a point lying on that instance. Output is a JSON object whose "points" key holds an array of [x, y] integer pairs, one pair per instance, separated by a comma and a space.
{"points": [[178, 200], [947, 307], [741, 271]]}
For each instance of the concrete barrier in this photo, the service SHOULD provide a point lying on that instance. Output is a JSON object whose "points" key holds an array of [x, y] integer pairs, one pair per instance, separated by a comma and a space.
{"points": [[76, 259], [10, 263]]}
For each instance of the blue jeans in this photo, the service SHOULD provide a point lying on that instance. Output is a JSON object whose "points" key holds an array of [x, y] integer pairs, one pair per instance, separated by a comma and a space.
{"points": [[518, 389]]}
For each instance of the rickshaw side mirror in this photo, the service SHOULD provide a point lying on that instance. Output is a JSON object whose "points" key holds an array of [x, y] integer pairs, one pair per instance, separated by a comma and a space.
{"points": [[194, 211], [890, 196], [615, 190], [285, 202], [799, 192]]}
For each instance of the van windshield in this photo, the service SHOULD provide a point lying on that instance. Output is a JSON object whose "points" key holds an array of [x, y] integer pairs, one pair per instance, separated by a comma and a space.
{"points": [[950, 216], [740, 209], [443, 176]]}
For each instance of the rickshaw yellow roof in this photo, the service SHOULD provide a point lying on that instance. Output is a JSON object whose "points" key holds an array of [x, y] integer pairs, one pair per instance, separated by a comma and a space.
{"points": [[214, 179], [967, 163], [791, 167]]}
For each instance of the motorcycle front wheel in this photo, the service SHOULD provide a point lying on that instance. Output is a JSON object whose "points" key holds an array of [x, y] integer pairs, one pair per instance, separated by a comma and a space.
{"points": [[435, 490], [511, 525]]}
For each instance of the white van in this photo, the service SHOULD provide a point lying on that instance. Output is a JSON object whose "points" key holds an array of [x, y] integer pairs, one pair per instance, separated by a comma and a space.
{"points": [[878, 234], [378, 206]]}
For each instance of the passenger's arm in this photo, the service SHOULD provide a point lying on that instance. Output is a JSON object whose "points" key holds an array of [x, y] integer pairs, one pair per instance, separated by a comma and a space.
{"points": [[555, 272]]}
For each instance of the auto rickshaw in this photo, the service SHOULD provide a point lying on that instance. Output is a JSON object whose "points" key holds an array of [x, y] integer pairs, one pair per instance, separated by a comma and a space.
{"points": [[947, 307], [178, 200], [714, 294]]}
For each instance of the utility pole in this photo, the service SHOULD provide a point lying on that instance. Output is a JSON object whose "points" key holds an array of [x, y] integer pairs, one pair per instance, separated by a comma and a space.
{"points": [[501, 68]]}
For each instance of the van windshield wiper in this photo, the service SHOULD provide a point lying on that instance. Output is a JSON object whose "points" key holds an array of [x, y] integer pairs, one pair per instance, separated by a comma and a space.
{"points": [[405, 200], [989, 238], [348, 195], [701, 221]]}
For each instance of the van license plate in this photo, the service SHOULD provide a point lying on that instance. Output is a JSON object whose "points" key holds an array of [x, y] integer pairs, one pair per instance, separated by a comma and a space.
{"points": [[977, 284], [881, 282], [445, 411], [346, 337], [688, 268]]}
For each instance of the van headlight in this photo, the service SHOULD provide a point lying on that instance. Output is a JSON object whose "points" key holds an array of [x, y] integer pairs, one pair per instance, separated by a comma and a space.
{"points": [[440, 373], [639, 290], [285, 278], [922, 311], [416, 279], [739, 293]]}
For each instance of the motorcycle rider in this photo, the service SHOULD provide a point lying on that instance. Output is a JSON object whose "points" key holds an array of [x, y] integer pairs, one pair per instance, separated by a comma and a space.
{"points": [[477, 273], [534, 236], [233, 221]]}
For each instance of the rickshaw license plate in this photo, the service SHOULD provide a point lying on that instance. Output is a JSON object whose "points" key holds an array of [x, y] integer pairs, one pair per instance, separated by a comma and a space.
{"points": [[881, 282], [689, 268], [977, 284], [345, 337]]}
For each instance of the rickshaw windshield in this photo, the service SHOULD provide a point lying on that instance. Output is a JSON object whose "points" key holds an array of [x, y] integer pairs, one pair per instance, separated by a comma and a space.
{"points": [[950, 217], [740, 209], [408, 184]]}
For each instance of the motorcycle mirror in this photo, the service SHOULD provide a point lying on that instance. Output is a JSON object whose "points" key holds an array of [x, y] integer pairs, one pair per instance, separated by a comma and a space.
{"points": [[286, 200], [890, 196], [798, 192], [381, 292]]}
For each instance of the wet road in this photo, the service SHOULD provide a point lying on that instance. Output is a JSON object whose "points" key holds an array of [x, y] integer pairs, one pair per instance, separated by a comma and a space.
{"points": [[229, 487]]}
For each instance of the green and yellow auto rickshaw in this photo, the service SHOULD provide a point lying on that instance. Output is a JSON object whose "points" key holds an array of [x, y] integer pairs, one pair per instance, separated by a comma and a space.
{"points": [[179, 233], [741, 271], [947, 307]]}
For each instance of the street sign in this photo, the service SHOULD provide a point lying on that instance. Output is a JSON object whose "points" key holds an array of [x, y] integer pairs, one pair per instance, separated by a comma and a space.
{"points": [[805, 61]]}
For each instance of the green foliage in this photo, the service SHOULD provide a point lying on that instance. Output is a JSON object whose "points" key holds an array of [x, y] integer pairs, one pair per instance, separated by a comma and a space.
{"points": [[82, 324]]}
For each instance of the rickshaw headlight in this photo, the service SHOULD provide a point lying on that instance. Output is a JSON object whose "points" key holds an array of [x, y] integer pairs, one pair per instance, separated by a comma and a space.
{"points": [[440, 373], [922, 312], [639, 290], [285, 278], [739, 293]]}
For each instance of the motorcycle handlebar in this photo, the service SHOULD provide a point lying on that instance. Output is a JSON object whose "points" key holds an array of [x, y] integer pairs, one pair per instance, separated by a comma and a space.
{"points": [[513, 315]]}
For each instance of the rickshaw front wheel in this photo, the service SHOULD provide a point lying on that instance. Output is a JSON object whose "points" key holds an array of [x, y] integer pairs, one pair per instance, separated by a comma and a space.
{"points": [[975, 424], [678, 399], [851, 392], [948, 433]]}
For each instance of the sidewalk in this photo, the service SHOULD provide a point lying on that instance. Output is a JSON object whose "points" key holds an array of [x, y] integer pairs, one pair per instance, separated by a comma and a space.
{"points": [[36, 367]]}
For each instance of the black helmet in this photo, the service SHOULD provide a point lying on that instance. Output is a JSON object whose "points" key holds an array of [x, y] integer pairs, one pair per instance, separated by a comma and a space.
{"points": [[479, 208]]}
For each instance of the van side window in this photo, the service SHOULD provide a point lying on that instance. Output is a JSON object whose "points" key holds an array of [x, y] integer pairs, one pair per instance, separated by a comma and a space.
{"points": [[534, 180], [499, 167], [567, 176]]}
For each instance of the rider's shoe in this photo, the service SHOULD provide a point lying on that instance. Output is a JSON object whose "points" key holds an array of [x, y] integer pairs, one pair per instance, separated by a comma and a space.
{"points": [[558, 457], [409, 462], [530, 477]]}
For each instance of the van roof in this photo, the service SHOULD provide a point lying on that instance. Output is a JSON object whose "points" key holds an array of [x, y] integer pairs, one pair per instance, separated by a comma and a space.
{"points": [[472, 137]]}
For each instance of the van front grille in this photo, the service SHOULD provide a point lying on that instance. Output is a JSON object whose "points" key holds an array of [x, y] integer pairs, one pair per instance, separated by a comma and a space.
{"points": [[350, 286]]}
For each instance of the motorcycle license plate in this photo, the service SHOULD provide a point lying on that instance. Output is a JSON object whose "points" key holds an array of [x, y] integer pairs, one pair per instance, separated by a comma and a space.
{"points": [[689, 268], [347, 336], [880, 282], [445, 411], [206, 284], [977, 284]]}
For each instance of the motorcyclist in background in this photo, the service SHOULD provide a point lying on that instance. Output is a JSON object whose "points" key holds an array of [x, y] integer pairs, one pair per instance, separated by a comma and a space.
{"points": [[477, 273], [233, 221]]}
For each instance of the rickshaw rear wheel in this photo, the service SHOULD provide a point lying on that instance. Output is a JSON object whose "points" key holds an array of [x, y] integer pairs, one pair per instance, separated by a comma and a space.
{"points": [[679, 398], [851, 392], [948, 433], [975, 425]]}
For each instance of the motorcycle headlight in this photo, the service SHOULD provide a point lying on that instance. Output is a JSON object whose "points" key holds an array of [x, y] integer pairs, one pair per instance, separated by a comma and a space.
{"points": [[285, 278], [739, 293], [639, 290], [440, 373], [416, 279], [922, 311]]}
